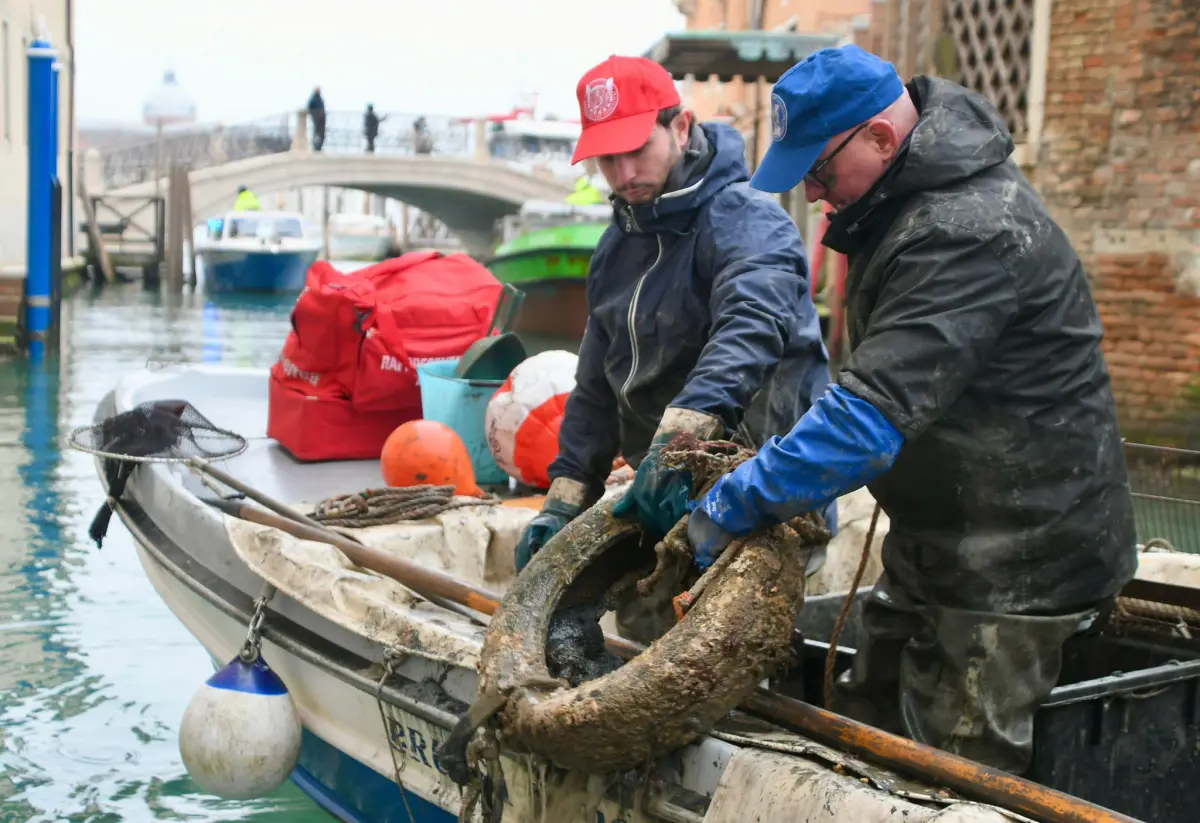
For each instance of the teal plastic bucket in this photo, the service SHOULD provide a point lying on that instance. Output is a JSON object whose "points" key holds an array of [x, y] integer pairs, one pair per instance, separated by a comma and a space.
{"points": [[461, 405]]}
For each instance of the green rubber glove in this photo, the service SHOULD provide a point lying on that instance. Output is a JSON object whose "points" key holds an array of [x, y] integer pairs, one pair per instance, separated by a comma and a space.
{"points": [[564, 502], [659, 495]]}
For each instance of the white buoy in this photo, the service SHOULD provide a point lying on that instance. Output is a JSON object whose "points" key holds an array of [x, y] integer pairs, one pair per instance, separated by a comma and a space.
{"points": [[240, 736]]}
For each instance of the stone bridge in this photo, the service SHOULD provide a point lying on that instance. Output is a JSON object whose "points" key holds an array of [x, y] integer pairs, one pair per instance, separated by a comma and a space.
{"points": [[467, 194], [459, 183]]}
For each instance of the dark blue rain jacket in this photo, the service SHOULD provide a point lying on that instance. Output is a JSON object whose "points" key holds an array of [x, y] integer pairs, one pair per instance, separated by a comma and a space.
{"points": [[699, 300]]}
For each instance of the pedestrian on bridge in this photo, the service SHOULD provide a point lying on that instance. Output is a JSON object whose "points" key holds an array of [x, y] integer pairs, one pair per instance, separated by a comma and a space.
{"points": [[700, 317], [316, 113], [371, 123], [975, 404]]}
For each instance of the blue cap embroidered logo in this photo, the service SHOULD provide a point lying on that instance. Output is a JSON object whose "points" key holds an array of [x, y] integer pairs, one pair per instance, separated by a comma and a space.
{"points": [[778, 118]]}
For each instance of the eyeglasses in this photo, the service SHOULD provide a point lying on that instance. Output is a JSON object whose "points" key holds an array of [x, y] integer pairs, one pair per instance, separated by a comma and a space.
{"points": [[813, 175]]}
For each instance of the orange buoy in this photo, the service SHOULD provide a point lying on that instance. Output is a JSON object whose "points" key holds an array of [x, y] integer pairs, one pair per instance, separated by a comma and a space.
{"points": [[428, 452]]}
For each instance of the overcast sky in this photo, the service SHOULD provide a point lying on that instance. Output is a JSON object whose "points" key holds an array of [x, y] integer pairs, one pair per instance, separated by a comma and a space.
{"points": [[243, 59]]}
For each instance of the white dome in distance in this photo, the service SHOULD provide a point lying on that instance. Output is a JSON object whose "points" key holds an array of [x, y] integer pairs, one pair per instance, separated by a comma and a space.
{"points": [[169, 103]]}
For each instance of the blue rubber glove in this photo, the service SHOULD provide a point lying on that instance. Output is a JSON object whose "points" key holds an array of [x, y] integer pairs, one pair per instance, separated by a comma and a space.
{"points": [[708, 539], [841, 443], [564, 503], [659, 496]]}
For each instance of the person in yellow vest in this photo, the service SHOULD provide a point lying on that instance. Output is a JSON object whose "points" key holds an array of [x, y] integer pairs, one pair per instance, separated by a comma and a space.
{"points": [[585, 193], [246, 201]]}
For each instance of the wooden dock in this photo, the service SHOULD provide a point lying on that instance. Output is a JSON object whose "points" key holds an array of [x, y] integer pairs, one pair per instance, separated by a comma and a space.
{"points": [[139, 232], [123, 233], [12, 289]]}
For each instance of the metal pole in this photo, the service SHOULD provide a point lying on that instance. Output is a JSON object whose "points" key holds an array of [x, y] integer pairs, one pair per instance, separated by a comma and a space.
{"points": [[43, 145], [158, 153]]}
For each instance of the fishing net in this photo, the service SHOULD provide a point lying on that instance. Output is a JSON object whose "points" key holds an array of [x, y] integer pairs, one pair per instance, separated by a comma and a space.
{"points": [[160, 431]]}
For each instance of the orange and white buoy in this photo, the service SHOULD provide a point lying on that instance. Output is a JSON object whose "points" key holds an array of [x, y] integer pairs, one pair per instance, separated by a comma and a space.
{"points": [[524, 415]]}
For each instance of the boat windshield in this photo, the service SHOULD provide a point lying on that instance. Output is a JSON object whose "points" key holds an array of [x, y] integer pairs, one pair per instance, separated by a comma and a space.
{"points": [[265, 226]]}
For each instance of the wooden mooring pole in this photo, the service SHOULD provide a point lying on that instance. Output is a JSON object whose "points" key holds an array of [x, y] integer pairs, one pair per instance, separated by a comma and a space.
{"points": [[95, 238], [179, 216]]}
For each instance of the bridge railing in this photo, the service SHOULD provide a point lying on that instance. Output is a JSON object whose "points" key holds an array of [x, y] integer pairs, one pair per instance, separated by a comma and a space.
{"points": [[345, 133], [200, 147], [197, 147]]}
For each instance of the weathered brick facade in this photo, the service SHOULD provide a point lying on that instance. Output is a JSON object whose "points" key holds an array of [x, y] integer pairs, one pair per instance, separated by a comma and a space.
{"points": [[1119, 164], [1114, 149], [1104, 100]]}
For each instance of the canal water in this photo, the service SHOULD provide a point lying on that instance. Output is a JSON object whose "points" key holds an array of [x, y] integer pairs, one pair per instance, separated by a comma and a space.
{"points": [[95, 671]]}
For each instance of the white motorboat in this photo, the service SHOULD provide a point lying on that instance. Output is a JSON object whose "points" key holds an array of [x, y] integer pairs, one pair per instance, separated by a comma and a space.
{"points": [[379, 676], [359, 237], [258, 251]]}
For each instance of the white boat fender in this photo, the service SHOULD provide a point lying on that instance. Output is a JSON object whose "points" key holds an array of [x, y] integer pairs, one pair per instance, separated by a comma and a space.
{"points": [[240, 736]]}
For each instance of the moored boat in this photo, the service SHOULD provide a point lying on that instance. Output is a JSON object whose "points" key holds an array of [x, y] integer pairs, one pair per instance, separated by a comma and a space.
{"points": [[366, 237], [256, 251], [379, 676], [545, 251]]}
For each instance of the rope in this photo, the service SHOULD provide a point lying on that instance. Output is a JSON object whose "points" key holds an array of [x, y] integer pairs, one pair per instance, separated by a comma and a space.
{"points": [[379, 507], [392, 659], [1179, 620], [831, 655]]}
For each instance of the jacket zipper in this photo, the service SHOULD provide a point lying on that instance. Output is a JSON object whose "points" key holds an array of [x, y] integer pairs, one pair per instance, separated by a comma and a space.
{"points": [[637, 291]]}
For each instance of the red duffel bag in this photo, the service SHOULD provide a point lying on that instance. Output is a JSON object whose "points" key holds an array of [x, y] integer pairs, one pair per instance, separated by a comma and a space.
{"points": [[347, 375]]}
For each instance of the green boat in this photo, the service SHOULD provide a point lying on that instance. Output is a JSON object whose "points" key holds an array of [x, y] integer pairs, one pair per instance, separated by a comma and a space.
{"points": [[545, 251]]}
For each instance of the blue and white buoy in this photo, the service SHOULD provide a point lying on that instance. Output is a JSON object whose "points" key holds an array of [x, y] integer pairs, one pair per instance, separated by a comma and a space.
{"points": [[240, 736]]}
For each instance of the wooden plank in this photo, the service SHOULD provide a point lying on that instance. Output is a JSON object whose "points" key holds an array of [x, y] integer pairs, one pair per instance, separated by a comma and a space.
{"points": [[534, 503], [95, 240]]}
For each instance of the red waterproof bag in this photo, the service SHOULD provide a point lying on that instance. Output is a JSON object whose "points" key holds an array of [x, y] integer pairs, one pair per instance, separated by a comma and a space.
{"points": [[346, 377]]}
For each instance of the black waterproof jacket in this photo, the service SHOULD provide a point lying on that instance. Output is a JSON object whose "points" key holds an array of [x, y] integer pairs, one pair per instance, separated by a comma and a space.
{"points": [[699, 300], [973, 330]]}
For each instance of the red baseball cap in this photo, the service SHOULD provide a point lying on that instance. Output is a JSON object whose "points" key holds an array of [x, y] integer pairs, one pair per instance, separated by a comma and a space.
{"points": [[619, 101]]}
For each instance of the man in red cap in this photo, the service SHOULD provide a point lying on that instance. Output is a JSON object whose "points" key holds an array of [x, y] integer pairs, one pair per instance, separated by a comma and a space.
{"points": [[700, 317]]}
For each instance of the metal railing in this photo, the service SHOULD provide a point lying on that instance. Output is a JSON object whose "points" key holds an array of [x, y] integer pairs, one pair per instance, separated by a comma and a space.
{"points": [[1165, 484], [197, 148], [201, 147]]}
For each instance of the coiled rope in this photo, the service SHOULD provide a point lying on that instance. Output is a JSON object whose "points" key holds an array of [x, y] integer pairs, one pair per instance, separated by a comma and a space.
{"points": [[379, 507]]}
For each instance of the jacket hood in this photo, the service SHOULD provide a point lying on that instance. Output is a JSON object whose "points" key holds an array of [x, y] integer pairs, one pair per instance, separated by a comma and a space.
{"points": [[715, 158], [959, 134]]}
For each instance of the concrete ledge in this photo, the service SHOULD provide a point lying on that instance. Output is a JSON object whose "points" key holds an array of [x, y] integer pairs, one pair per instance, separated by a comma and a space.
{"points": [[16, 271]]}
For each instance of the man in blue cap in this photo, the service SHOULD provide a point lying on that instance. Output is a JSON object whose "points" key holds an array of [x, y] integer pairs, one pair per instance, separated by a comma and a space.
{"points": [[975, 405]]}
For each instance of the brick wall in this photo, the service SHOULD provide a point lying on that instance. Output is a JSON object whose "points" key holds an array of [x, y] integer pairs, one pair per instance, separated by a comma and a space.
{"points": [[735, 100], [1119, 166]]}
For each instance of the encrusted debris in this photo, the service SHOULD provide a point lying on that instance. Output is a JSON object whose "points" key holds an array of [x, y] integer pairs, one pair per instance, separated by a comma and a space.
{"points": [[615, 720]]}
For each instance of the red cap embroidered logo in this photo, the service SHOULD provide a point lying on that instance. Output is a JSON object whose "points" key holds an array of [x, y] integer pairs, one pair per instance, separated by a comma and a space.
{"points": [[601, 100]]}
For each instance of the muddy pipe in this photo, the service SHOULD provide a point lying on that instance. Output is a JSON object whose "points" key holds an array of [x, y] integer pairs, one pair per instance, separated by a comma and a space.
{"points": [[968, 778]]}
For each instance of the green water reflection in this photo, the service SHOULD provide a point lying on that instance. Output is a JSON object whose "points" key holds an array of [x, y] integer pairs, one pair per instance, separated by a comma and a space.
{"points": [[95, 671]]}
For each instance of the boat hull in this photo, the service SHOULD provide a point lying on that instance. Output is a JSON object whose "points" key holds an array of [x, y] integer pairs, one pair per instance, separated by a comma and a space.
{"points": [[535, 265], [338, 718], [266, 270], [554, 313], [364, 247]]}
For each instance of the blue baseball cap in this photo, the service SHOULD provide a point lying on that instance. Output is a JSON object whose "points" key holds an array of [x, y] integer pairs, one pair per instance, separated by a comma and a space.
{"points": [[825, 94]]}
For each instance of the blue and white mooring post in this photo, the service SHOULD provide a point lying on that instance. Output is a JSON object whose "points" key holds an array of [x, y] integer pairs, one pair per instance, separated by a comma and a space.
{"points": [[43, 169]]}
